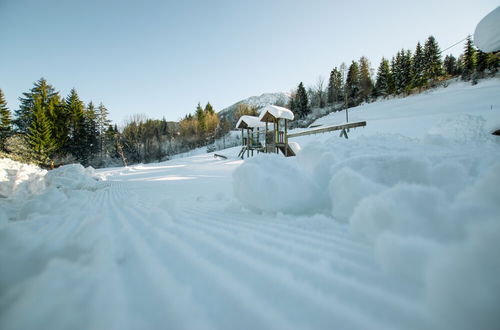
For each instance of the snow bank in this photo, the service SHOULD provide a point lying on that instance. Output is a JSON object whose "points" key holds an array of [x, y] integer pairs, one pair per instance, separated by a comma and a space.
{"points": [[430, 207], [269, 184], [27, 189], [487, 33], [19, 178]]}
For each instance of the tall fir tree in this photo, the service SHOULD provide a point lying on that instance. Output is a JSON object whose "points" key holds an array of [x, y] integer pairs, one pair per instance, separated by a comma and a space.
{"points": [[77, 142], [301, 101], [201, 124], [365, 80], [39, 134], [418, 67], [384, 79], [209, 109], [334, 90], [352, 86], [432, 58], [469, 59], [450, 65], [102, 126], [48, 97], [91, 132], [5, 121]]}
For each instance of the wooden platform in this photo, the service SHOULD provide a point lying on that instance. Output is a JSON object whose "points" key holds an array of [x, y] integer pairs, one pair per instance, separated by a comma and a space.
{"points": [[328, 129]]}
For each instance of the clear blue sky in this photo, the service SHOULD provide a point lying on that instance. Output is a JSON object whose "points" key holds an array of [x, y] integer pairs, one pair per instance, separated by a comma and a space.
{"points": [[161, 58]]}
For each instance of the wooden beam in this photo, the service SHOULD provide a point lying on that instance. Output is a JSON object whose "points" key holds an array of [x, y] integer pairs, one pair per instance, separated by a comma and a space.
{"points": [[328, 129]]}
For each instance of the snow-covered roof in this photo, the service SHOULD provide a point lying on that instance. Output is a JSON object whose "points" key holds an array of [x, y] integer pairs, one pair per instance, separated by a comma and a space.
{"points": [[487, 34], [249, 122], [275, 112]]}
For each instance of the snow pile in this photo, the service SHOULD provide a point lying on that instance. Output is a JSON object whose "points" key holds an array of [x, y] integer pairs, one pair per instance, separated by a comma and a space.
{"points": [[430, 209], [20, 179], [27, 189], [261, 187], [487, 33], [462, 128]]}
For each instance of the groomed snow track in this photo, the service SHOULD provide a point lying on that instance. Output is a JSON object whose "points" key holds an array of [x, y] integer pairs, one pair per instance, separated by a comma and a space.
{"points": [[124, 263]]}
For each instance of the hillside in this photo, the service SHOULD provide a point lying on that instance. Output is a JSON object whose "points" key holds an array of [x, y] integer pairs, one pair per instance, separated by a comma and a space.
{"points": [[394, 228], [254, 101]]}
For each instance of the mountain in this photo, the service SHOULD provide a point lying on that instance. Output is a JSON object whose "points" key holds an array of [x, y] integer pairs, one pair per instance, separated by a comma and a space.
{"points": [[255, 101]]}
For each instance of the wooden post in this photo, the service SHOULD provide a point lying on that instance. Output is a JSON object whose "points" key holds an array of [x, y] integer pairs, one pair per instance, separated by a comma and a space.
{"points": [[242, 139], [285, 138], [265, 139], [277, 135], [248, 142]]}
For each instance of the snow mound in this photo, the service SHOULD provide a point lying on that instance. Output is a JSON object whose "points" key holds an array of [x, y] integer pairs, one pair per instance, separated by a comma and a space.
{"points": [[20, 179], [71, 177], [429, 209], [487, 33], [269, 183], [28, 190], [463, 128]]}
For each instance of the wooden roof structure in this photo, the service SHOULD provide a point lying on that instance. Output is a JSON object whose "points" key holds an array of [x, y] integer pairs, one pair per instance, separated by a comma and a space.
{"points": [[273, 113], [249, 122]]}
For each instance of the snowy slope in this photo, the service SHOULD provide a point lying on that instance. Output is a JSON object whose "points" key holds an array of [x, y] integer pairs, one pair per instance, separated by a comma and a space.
{"points": [[255, 101], [395, 228]]}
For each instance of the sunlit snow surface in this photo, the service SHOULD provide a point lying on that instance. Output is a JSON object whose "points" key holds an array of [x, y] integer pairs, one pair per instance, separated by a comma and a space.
{"points": [[395, 228]]}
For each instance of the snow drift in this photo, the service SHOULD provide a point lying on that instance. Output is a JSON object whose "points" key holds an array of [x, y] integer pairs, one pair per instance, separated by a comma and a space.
{"points": [[429, 206]]}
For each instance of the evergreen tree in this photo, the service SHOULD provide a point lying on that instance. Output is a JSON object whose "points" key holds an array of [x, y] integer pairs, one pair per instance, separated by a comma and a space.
{"points": [[432, 59], [48, 98], [384, 79], [200, 117], [77, 142], [209, 109], [450, 65], [5, 121], [352, 85], [301, 101], [103, 124], [365, 80], [334, 92], [469, 59], [39, 134], [418, 68], [91, 131], [481, 62]]}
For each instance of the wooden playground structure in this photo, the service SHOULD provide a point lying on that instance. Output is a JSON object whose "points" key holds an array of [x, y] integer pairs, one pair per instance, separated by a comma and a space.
{"points": [[276, 140]]}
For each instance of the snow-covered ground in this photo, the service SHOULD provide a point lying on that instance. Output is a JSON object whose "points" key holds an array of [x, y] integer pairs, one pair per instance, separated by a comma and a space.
{"points": [[395, 228]]}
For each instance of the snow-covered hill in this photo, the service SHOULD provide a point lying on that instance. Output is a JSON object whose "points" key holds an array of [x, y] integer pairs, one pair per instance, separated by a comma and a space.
{"points": [[395, 228], [256, 101]]}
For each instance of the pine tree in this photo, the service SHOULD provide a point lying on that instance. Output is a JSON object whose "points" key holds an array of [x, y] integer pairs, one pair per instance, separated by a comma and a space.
{"points": [[365, 80], [77, 142], [384, 79], [432, 59], [103, 123], [200, 118], [481, 63], [418, 68], [352, 85], [450, 65], [301, 101], [209, 109], [39, 134], [48, 98], [469, 59], [334, 92], [5, 121], [91, 132]]}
